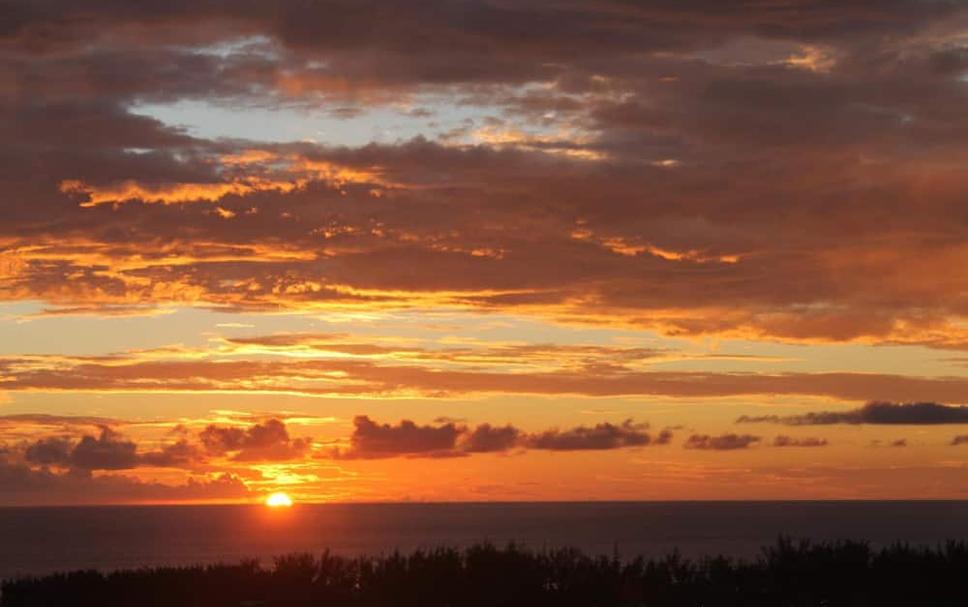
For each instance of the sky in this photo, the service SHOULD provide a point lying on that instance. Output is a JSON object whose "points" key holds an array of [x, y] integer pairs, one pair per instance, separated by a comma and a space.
{"points": [[483, 250]]}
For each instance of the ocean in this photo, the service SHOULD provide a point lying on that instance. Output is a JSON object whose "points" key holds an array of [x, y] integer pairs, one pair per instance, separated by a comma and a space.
{"points": [[44, 540]]}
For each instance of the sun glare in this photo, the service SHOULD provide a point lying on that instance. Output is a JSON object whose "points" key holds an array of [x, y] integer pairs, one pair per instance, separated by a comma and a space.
{"points": [[279, 500]]}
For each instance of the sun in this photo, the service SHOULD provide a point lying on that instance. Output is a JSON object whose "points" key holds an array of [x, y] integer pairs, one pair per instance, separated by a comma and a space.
{"points": [[279, 500]]}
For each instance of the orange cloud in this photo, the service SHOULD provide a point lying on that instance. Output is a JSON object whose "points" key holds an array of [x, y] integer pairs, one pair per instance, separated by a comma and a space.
{"points": [[334, 376], [175, 193], [251, 171]]}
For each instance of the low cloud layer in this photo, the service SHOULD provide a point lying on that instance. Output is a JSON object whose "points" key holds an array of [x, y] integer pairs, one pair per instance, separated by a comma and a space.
{"points": [[82, 461], [107, 451], [22, 484], [219, 446], [601, 436], [924, 413], [723, 442], [110, 450], [372, 440]]}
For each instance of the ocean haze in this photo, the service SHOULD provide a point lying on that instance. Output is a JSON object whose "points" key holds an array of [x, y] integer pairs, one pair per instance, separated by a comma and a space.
{"points": [[44, 540]]}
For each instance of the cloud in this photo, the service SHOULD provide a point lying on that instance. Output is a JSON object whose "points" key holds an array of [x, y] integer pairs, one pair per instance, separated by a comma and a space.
{"points": [[597, 104], [790, 441], [564, 38], [50, 451], [600, 436], [723, 442], [486, 438], [601, 372], [921, 413], [371, 439], [180, 454], [109, 450], [87, 468], [23, 485], [268, 440]]}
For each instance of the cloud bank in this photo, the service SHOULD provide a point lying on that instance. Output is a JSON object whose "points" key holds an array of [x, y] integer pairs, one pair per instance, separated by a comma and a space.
{"points": [[921, 413], [371, 440], [789, 172]]}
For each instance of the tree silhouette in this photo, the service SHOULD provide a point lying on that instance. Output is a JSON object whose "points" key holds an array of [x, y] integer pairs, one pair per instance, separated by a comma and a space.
{"points": [[788, 574]]}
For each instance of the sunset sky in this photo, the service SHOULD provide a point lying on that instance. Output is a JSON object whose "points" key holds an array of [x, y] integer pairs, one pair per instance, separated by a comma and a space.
{"points": [[483, 250]]}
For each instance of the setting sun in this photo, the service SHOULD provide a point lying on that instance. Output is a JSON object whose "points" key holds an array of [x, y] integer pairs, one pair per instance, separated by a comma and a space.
{"points": [[279, 500]]}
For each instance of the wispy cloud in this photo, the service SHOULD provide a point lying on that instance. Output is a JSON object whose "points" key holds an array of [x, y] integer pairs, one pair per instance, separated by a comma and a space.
{"points": [[374, 369]]}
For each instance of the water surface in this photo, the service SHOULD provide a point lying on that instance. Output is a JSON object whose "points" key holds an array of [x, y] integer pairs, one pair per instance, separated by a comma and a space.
{"points": [[41, 540]]}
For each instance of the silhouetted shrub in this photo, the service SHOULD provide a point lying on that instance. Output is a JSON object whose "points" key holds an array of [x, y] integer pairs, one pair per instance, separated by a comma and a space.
{"points": [[789, 573]]}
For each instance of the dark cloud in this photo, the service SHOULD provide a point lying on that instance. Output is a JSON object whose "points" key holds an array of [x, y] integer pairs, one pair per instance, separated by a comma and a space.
{"points": [[219, 440], [491, 41], [23, 485], [600, 436], [371, 439], [109, 451], [268, 440], [723, 442], [924, 413], [791, 441], [181, 454], [60, 469], [486, 438], [54, 451]]}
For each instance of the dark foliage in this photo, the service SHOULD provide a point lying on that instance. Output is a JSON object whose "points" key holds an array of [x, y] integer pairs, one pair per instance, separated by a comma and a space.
{"points": [[787, 574]]}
